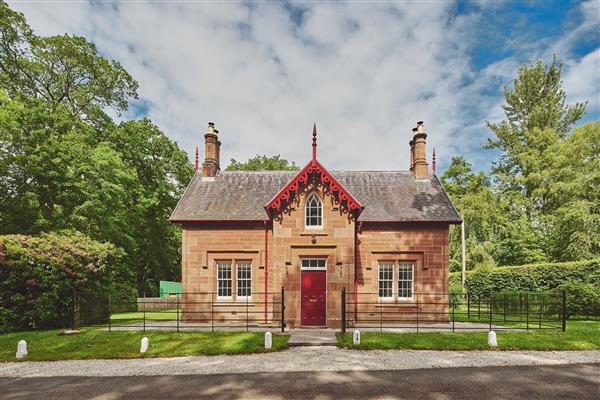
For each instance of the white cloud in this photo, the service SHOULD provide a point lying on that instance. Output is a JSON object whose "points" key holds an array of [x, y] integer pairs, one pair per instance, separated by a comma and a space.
{"points": [[582, 82], [365, 73]]}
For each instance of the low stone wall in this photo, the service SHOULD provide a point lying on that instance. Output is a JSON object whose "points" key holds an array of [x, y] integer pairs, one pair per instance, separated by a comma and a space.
{"points": [[156, 303]]}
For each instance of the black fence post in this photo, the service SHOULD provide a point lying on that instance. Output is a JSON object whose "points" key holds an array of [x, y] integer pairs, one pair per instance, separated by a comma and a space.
{"points": [[380, 316], [343, 310], [490, 309], [527, 310], [73, 310], [453, 306], [468, 306], [564, 310], [417, 295], [144, 308], [504, 307], [247, 326], [212, 312], [109, 327], [479, 306], [282, 310], [177, 296], [541, 306]]}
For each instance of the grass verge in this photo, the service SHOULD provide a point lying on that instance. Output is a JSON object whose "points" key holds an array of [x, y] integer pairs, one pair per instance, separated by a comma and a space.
{"points": [[580, 335], [97, 343]]}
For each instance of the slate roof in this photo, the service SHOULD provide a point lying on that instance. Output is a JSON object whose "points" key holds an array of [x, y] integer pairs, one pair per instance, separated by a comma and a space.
{"points": [[386, 196]]}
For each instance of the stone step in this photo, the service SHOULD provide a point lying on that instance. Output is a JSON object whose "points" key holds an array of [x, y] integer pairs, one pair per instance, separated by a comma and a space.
{"points": [[312, 337]]}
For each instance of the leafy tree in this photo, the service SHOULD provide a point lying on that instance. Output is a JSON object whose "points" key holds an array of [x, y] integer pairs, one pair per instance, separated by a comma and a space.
{"points": [[60, 70], [472, 197], [64, 164], [536, 117], [263, 163], [162, 172], [542, 200], [574, 190]]}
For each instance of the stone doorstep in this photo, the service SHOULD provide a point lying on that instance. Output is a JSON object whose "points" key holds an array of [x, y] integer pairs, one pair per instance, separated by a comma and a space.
{"points": [[312, 337]]}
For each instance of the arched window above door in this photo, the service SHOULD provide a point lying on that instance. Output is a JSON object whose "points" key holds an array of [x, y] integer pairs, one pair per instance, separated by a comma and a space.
{"points": [[313, 212]]}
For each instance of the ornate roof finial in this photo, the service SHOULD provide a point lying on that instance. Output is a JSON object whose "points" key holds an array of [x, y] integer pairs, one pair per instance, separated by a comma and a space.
{"points": [[314, 142], [196, 158], [433, 161]]}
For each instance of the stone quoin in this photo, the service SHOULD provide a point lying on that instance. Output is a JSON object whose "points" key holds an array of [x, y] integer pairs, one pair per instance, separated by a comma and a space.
{"points": [[382, 235]]}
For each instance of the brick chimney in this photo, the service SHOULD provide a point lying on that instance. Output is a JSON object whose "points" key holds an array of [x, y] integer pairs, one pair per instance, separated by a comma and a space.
{"points": [[212, 152], [419, 165]]}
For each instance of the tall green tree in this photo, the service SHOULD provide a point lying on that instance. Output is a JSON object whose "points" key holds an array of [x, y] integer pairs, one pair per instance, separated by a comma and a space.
{"points": [[60, 70], [536, 117], [496, 233], [574, 192], [541, 200], [65, 165], [263, 163]]}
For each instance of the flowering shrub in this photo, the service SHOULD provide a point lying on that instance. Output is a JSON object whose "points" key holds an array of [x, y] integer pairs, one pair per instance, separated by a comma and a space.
{"points": [[54, 280]]}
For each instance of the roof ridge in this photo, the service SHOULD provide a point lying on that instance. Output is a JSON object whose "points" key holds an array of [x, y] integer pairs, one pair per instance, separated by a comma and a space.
{"points": [[255, 172], [333, 170]]}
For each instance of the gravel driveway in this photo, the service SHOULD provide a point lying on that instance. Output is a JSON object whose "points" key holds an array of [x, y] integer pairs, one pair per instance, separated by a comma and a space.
{"points": [[323, 358]]}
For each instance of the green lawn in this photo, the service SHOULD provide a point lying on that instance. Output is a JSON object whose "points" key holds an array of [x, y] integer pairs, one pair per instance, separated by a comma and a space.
{"points": [[580, 335], [515, 320], [98, 343]]}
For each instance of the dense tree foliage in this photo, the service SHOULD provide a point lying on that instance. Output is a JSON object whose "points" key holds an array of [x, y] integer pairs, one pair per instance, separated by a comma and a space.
{"points": [[541, 201], [66, 165], [263, 163]]}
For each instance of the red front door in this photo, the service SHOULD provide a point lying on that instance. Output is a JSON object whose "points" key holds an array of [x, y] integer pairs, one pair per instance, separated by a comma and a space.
{"points": [[313, 298]]}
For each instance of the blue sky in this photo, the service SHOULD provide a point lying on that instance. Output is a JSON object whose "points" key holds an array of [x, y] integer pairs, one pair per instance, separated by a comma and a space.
{"points": [[364, 72]]}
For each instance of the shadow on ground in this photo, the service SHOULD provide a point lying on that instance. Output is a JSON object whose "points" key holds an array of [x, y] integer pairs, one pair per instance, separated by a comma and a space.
{"points": [[533, 382]]}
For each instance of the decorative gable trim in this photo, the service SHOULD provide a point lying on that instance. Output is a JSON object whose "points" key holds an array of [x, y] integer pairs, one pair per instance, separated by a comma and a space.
{"points": [[317, 173]]}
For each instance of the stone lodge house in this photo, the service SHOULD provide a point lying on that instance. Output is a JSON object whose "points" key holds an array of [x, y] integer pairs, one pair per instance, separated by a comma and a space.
{"points": [[382, 235]]}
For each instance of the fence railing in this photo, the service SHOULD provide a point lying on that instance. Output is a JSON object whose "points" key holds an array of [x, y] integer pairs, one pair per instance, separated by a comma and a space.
{"points": [[200, 311], [454, 311]]}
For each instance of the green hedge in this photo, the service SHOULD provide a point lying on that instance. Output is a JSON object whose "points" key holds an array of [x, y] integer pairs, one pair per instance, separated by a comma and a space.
{"points": [[40, 277], [581, 275], [530, 277]]}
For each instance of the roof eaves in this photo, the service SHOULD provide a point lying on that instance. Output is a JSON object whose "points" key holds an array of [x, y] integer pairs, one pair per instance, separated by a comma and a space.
{"points": [[171, 219]]}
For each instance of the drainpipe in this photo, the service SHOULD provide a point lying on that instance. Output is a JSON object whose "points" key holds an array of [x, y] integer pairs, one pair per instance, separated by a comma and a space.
{"points": [[355, 271], [266, 265]]}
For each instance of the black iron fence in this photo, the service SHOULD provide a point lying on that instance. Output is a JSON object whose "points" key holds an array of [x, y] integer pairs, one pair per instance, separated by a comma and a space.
{"points": [[427, 311], [423, 311], [200, 311]]}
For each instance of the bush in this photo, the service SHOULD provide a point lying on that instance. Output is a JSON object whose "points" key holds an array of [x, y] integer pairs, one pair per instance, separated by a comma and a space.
{"points": [[456, 295], [40, 277], [580, 277], [582, 298]]}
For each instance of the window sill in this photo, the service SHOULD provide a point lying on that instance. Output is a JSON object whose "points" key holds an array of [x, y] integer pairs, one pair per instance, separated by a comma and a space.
{"points": [[396, 301], [316, 232]]}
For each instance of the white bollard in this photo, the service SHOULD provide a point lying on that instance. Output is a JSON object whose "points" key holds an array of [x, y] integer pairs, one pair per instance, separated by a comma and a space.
{"points": [[268, 340], [492, 339], [21, 349], [356, 337], [144, 344]]}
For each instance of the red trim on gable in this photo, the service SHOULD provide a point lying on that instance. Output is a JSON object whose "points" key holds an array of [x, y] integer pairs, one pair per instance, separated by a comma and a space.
{"points": [[314, 170]]}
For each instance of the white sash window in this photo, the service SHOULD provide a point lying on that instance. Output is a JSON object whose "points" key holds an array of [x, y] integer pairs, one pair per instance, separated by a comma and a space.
{"points": [[313, 212]]}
